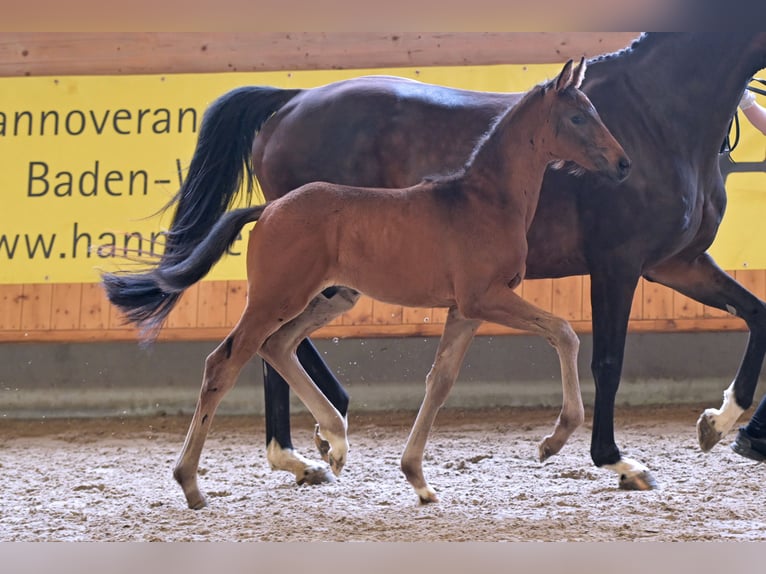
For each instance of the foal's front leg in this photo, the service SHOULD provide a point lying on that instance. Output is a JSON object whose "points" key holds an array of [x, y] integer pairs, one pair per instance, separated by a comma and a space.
{"points": [[457, 336], [501, 305]]}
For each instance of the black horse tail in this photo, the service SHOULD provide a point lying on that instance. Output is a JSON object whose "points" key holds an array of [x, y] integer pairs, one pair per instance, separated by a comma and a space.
{"points": [[221, 161], [147, 298]]}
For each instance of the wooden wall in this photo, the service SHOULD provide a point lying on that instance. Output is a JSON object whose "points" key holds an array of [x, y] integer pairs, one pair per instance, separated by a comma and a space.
{"points": [[79, 312]]}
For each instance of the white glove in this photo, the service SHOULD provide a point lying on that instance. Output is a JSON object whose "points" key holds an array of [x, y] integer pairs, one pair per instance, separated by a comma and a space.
{"points": [[748, 99]]}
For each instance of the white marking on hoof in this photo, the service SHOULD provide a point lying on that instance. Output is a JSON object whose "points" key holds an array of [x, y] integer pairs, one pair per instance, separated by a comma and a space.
{"points": [[426, 494], [723, 419], [633, 475], [306, 471], [731, 309]]}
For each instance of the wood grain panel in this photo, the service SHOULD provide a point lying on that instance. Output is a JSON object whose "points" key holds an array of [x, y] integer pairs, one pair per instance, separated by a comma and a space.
{"points": [[211, 304], [657, 301], [66, 300], [94, 307], [236, 298], [567, 298], [11, 304], [184, 316], [386, 314], [81, 53], [539, 292], [360, 314], [36, 309]]}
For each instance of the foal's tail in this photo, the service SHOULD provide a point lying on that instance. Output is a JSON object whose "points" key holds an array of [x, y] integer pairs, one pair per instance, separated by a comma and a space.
{"points": [[147, 298], [221, 161]]}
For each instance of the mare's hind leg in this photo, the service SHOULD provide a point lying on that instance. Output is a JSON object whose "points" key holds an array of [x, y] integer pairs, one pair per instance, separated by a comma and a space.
{"points": [[281, 456], [702, 280], [280, 353], [503, 306], [222, 367], [457, 336]]}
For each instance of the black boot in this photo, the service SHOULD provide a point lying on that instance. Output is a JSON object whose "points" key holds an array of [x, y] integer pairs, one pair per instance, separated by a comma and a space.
{"points": [[749, 446]]}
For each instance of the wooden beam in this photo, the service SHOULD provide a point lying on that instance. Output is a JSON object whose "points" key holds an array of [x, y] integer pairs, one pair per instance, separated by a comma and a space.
{"points": [[81, 53]]}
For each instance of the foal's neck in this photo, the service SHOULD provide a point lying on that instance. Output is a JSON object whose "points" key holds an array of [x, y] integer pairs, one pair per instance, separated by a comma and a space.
{"points": [[507, 168]]}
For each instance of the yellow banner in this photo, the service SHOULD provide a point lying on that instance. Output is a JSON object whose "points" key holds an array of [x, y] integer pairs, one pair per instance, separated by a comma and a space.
{"points": [[89, 161]]}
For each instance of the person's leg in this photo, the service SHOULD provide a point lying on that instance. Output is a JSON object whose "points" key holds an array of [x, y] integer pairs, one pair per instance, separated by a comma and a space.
{"points": [[751, 439]]}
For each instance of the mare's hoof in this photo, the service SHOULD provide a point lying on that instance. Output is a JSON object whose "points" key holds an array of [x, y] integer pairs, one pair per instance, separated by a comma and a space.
{"points": [[640, 481], [315, 475], [322, 445], [707, 435]]}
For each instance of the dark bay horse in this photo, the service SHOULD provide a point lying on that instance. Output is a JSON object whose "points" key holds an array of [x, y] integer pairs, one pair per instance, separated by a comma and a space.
{"points": [[456, 241]]}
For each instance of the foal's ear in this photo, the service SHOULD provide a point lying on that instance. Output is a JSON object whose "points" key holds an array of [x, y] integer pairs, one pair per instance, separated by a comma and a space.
{"points": [[565, 77], [579, 73]]}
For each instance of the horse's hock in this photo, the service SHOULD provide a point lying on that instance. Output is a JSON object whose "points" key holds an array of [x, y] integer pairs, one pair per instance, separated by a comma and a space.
{"points": [[67, 320]]}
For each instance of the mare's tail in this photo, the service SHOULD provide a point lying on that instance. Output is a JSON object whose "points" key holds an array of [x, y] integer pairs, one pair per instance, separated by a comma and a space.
{"points": [[147, 298], [222, 160]]}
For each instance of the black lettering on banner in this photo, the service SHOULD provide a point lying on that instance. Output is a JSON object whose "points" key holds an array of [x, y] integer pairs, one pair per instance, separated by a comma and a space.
{"points": [[35, 175], [69, 123], [41, 244], [121, 121], [88, 183]]}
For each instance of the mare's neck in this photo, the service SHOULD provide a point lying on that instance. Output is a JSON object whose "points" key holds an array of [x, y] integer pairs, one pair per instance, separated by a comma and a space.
{"points": [[507, 168], [678, 89]]}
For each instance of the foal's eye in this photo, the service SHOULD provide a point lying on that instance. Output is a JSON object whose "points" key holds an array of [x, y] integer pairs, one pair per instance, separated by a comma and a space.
{"points": [[577, 120]]}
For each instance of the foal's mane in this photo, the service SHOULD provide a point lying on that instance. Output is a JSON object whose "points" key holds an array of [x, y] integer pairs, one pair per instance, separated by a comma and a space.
{"points": [[503, 117]]}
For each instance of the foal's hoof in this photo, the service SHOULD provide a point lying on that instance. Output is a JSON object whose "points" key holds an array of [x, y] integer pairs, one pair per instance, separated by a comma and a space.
{"points": [[336, 464], [197, 504], [426, 495], [546, 450], [640, 481], [322, 445], [707, 435], [314, 475]]}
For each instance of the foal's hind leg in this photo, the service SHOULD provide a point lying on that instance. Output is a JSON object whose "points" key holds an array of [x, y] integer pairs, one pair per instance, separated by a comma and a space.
{"points": [[222, 367], [503, 306], [320, 311], [457, 336]]}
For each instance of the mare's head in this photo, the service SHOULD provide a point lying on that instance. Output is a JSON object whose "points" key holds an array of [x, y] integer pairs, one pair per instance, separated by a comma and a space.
{"points": [[579, 135]]}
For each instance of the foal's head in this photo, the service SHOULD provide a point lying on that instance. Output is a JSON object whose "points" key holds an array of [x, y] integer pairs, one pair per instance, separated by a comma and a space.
{"points": [[579, 135]]}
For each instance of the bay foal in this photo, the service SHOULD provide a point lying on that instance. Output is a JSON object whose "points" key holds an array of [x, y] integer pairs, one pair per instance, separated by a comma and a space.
{"points": [[457, 241]]}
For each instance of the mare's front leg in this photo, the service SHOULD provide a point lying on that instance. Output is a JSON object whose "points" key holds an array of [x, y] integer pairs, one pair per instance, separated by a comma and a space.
{"points": [[702, 280], [501, 305], [456, 338], [611, 298], [279, 449]]}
